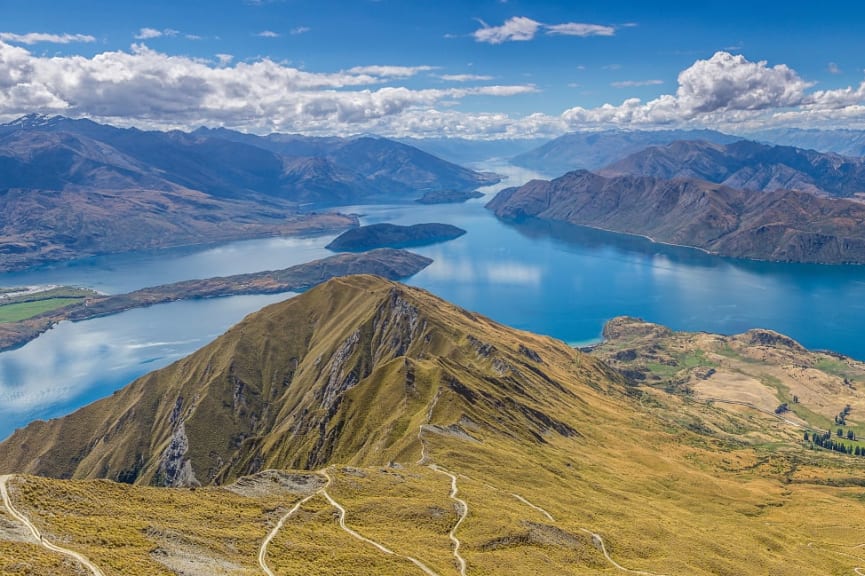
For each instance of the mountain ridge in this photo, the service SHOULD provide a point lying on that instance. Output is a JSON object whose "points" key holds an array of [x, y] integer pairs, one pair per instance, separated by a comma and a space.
{"points": [[749, 166]]}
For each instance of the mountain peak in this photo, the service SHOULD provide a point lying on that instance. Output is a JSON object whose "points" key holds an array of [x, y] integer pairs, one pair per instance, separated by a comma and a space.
{"points": [[345, 372], [35, 120]]}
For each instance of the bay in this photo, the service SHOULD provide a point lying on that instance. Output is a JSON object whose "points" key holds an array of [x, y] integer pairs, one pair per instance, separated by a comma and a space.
{"points": [[563, 281]]}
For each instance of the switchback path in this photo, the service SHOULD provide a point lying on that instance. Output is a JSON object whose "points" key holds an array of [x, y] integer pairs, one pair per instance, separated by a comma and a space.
{"points": [[7, 502], [463, 508], [262, 551], [363, 538], [538, 508], [599, 542]]}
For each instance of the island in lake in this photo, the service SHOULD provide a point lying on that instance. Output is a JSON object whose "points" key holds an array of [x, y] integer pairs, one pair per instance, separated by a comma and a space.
{"points": [[393, 236], [448, 196]]}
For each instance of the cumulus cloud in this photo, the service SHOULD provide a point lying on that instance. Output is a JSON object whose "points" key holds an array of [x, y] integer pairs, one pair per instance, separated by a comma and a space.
{"points": [[150, 88], [40, 37], [833, 68], [728, 82], [729, 91], [299, 30], [268, 34], [150, 33], [520, 28]]}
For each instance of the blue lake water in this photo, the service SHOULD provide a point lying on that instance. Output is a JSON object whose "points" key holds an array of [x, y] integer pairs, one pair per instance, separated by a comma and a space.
{"points": [[561, 281]]}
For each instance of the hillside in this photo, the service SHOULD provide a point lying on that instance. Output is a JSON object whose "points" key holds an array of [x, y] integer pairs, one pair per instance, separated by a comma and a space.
{"points": [[781, 225], [749, 166], [431, 441], [593, 150], [73, 188], [757, 371]]}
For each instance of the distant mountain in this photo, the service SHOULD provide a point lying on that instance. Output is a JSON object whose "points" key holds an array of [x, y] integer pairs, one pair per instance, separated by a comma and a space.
{"points": [[464, 151], [749, 166], [780, 225], [71, 188], [592, 150], [846, 142]]}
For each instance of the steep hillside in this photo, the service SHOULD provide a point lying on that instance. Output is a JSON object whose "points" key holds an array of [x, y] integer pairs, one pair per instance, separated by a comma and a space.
{"points": [[780, 225], [593, 150], [437, 442], [280, 388], [749, 166]]}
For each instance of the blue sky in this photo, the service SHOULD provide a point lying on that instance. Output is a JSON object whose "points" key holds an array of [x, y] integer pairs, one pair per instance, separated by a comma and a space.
{"points": [[481, 69]]}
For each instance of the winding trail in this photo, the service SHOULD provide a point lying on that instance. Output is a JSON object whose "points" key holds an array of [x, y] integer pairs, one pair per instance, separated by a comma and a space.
{"points": [[363, 538], [599, 542], [262, 551], [463, 508], [7, 502], [538, 508]]}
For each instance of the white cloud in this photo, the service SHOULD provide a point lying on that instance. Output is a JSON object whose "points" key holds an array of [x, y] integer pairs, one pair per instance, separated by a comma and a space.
{"points": [[152, 89], [149, 33], [465, 77], [299, 30], [520, 28], [268, 34], [39, 37], [579, 29], [833, 68], [148, 88], [729, 91], [390, 71], [635, 83]]}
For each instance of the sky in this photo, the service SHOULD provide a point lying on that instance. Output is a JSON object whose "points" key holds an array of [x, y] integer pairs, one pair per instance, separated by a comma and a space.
{"points": [[480, 69]]}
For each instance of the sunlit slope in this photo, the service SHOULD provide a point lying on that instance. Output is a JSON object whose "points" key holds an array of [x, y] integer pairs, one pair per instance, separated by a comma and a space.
{"points": [[344, 373], [438, 442]]}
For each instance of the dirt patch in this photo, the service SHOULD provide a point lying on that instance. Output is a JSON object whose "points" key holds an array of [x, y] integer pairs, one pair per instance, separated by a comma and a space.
{"points": [[736, 387]]}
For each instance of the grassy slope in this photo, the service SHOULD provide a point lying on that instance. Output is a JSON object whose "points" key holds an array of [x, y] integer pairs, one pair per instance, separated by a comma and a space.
{"points": [[673, 486]]}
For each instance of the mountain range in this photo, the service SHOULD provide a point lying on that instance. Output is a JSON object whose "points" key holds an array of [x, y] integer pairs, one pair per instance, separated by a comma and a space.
{"points": [[594, 150], [780, 225], [749, 166], [369, 427], [70, 188]]}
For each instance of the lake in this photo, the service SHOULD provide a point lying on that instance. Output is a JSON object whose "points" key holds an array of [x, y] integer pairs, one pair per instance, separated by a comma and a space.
{"points": [[558, 280]]}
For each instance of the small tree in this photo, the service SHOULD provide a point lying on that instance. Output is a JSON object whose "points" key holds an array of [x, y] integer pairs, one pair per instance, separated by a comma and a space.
{"points": [[840, 432], [806, 436], [851, 435]]}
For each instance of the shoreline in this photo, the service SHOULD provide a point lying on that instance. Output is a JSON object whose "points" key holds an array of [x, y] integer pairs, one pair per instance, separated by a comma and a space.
{"points": [[390, 263]]}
